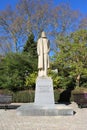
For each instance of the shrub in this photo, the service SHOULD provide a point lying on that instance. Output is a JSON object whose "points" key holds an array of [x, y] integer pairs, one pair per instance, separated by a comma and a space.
{"points": [[55, 77], [57, 93], [23, 96], [30, 80], [14, 68]]}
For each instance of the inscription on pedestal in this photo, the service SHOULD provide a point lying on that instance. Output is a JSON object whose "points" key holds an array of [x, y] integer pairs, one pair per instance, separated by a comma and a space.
{"points": [[45, 89]]}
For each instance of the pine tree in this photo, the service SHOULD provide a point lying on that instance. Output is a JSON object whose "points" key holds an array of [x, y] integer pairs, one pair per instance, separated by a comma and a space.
{"points": [[30, 46]]}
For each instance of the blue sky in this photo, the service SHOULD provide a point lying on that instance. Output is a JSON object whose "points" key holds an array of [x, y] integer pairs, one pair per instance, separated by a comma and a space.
{"points": [[75, 4], [4, 3]]}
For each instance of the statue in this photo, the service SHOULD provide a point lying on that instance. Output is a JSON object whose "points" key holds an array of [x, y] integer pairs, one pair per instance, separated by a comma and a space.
{"points": [[43, 49]]}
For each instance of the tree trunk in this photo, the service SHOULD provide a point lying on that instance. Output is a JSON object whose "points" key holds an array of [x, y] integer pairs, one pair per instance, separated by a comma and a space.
{"points": [[78, 80]]}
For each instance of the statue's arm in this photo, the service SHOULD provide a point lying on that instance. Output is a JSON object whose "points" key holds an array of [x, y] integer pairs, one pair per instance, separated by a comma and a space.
{"points": [[48, 46]]}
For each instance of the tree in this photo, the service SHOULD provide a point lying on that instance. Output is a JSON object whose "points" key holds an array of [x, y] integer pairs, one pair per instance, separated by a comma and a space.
{"points": [[11, 29], [71, 57], [31, 46], [36, 14], [28, 17], [17, 24], [65, 18], [80, 54], [14, 68], [83, 23]]}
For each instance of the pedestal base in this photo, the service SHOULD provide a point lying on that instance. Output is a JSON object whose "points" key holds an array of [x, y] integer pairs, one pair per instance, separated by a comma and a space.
{"points": [[44, 101], [31, 109]]}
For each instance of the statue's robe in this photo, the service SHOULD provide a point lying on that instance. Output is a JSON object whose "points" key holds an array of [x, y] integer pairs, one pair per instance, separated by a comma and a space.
{"points": [[43, 49]]}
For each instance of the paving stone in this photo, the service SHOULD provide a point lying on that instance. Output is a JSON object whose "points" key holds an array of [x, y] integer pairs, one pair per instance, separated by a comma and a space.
{"points": [[9, 120]]}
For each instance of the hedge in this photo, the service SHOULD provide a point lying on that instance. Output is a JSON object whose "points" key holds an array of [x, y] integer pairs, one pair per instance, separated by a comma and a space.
{"points": [[27, 95]]}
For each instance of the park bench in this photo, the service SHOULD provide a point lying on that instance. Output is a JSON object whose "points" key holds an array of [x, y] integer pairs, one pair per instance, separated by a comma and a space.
{"points": [[81, 99], [5, 100]]}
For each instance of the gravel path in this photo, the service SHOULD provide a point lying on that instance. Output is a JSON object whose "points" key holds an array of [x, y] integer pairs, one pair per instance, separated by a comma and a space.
{"points": [[9, 120]]}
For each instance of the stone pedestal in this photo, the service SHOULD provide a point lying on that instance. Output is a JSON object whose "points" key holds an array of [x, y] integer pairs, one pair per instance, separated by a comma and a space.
{"points": [[44, 101], [44, 94]]}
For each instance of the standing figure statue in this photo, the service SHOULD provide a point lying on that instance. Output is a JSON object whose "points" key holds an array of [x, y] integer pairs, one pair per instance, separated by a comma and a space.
{"points": [[43, 49]]}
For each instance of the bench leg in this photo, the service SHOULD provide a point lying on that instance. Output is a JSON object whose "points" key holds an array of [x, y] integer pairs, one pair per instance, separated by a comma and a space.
{"points": [[6, 107]]}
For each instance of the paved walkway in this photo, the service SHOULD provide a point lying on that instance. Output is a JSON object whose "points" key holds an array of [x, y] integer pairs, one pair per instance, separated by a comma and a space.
{"points": [[10, 121]]}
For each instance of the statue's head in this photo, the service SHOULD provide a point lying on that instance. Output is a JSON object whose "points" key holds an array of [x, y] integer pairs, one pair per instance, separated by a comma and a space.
{"points": [[43, 35]]}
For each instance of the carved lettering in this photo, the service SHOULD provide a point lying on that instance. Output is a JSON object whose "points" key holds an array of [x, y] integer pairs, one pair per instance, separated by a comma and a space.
{"points": [[44, 89]]}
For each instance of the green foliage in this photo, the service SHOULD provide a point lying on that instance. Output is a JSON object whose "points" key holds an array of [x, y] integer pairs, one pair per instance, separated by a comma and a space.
{"points": [[20, 96], [57, 93], [55, 77], [30, 46], [23, 96], [30, 80], [15, 67], [71, 58], [13, 70], [6, 91]]}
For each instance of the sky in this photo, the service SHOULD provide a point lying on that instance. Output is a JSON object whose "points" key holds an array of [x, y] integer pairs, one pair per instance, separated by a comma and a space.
{"points": [[4, 3], [75, 4]]}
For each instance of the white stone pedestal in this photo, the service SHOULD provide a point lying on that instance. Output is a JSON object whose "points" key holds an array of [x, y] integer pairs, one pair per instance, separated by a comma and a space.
{"points": [[44, 101], [44, 94]]}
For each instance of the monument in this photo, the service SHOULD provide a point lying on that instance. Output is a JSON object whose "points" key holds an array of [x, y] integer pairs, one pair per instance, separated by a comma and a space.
{"points": [[44, 85], [44, 104]]}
